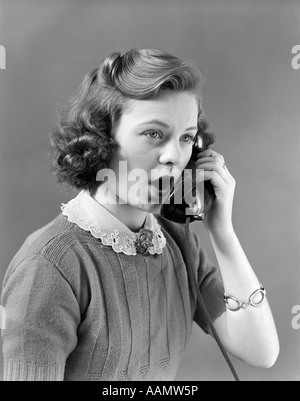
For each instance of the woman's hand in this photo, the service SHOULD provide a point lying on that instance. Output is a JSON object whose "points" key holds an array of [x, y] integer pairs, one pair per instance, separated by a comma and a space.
{"points": [[219, 218]]}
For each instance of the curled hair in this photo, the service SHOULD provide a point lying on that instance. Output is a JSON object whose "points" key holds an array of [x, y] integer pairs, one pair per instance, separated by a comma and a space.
{"points": [[83, 142]]}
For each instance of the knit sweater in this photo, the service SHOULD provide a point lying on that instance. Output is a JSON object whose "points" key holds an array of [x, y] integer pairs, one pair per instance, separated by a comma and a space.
{"points": [[76, 310]]}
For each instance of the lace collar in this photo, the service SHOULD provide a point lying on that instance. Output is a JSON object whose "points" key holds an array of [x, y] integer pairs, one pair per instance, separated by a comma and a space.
{"points": [[89, 215]]}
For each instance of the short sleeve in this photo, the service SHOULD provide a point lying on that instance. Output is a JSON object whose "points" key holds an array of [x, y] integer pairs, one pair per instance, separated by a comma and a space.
{"points": [[211, 287], [42, 316]]}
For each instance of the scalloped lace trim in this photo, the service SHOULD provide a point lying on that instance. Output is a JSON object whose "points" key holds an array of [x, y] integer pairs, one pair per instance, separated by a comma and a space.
{"points": [[118, 241]]}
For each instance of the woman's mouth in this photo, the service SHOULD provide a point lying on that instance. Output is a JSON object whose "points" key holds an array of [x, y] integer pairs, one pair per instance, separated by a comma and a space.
{"points": [[162, 186]]}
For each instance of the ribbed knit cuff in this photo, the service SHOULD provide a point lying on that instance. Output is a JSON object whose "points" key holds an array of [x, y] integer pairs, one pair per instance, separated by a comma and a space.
{"points": [[23, 371]]}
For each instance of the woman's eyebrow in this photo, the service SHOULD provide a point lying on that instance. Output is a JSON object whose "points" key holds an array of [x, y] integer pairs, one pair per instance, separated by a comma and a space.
{"points": [[162, 124]]}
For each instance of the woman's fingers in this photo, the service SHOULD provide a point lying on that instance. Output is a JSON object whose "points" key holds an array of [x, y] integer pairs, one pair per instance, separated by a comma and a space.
{"points": [[217, 167], [214, 177], [210, 153], [210, 160]]}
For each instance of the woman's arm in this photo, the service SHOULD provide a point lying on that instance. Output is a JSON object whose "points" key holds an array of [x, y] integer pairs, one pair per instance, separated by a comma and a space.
{"points": [[250, 333], [42, 319]]}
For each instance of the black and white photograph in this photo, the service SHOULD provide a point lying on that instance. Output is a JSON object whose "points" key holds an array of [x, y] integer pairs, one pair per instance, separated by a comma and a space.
{"points": [[150, 193]]}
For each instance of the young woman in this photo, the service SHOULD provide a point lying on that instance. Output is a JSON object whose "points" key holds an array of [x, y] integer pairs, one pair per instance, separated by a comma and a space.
{"points": [[102, 291]]}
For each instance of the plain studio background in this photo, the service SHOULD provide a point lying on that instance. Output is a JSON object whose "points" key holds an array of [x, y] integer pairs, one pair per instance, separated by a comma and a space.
{"points": [[252, 99]]}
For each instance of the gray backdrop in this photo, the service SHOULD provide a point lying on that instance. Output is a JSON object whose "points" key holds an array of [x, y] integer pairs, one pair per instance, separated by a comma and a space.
{"points": [[251, 99]]}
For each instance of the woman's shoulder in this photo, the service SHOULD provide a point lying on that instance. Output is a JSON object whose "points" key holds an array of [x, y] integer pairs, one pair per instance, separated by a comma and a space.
{"points": [[52, 242]]}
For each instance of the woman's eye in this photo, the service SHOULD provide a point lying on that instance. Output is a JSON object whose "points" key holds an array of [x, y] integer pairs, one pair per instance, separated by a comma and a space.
{"points": [[153, 134], [156, 134], [188, 138]]}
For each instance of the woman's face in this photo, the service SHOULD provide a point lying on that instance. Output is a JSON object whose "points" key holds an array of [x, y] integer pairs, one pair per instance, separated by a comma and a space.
{"points": [[152, 135]]}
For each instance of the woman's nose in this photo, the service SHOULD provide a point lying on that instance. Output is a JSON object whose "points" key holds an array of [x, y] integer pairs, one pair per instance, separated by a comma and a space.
{"points": [[171, 154]]}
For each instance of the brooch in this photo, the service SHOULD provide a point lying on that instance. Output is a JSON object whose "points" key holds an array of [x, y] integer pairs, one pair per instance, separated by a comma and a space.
{"points": [[143, 241]]}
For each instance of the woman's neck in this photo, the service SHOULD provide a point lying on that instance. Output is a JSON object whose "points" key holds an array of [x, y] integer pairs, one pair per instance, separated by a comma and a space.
{"points": [[130, 216]]}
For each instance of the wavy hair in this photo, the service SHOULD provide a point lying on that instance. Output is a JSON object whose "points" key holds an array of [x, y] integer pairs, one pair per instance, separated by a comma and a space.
{"points": [[83, 141]]}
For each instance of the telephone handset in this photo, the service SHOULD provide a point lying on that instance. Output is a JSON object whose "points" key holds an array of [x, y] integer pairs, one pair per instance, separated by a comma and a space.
{"points": [[179, 207]]}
